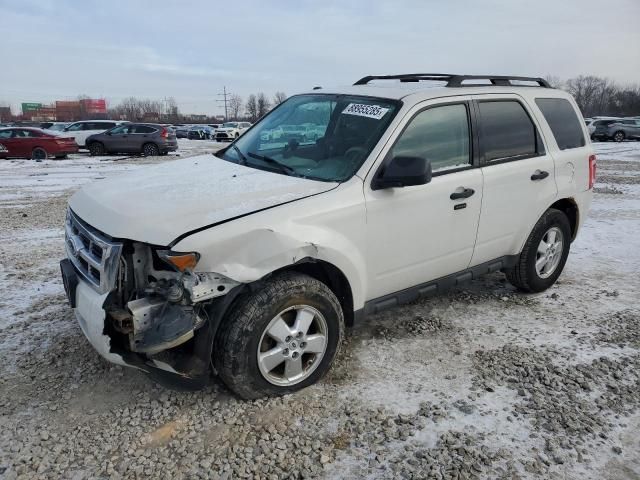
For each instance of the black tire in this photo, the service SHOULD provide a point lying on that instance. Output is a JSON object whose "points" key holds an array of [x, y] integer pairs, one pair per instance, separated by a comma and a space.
{"points": [[96, 149], [38, 154], [524, 275], [619, 136], [150, 150], [236, 345]]}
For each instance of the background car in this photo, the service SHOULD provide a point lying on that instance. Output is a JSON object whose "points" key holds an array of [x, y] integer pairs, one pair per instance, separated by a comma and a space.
{"points": [[55, 126], [624, 129], [149, 139], [182, 131], [200, 132], [80, 131], [28, 142], [231, 130], [600, 128]]}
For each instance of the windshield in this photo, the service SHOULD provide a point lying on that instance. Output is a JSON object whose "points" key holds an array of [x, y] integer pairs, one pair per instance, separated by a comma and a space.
{"points": [[318, 136], [230, 125]]}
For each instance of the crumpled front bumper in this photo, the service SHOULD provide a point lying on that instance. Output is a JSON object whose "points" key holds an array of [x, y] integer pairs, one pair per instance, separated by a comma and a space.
{"points": [[88, 306]]}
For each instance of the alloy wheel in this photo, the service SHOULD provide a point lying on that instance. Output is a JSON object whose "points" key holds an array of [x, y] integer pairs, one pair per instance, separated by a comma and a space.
{"points": [[549, 252], [292, 345]]}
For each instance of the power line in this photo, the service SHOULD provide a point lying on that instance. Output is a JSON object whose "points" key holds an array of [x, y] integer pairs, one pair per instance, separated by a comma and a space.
{"points": [[224, 100]]}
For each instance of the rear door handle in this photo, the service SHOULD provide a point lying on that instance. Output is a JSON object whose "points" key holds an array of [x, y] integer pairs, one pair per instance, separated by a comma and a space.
{"points": [[539, 175], [462, 193]]}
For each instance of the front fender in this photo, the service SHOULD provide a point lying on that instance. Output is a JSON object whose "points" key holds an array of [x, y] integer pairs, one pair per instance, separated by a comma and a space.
{"points": [[319, 227]]}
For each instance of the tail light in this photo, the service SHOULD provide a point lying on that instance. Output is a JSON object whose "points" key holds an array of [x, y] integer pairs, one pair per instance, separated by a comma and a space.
{"points": [[164, 133], [592, 171]]}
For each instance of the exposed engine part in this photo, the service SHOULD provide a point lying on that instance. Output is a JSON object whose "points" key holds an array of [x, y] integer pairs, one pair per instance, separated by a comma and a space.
{"points": [[121, 320], [159, 325], [205, 286]]}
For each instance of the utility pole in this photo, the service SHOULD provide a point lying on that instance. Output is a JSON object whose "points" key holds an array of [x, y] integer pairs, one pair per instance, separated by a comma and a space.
{"points": [[224, 96]]}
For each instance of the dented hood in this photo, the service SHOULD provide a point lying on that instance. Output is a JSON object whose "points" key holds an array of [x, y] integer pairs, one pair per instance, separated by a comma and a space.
{"points": [[160, 203]]}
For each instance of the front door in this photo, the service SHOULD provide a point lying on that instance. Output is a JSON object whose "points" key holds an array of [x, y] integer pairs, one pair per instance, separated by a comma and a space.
{"points": [[420, 233]]}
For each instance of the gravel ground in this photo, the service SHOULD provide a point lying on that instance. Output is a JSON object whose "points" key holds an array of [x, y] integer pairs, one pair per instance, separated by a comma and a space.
{"points": [[484, 382]]}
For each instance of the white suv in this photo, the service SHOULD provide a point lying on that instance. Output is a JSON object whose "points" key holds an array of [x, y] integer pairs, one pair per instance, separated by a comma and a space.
{"points": [[254, 259], [231, 130]]}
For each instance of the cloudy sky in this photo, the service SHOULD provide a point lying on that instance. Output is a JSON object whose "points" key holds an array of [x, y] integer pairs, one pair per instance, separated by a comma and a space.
{"points": [[57, 49]]}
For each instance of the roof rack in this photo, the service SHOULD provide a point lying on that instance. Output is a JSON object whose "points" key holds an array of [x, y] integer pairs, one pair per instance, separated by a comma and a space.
{"points": [[455, 80]]}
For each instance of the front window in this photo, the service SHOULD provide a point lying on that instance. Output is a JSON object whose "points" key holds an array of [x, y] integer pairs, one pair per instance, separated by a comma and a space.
{"points": [[322, 137]]}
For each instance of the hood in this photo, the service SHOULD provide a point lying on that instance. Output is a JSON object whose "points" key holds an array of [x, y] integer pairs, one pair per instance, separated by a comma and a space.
{"points": [[158, 204]]}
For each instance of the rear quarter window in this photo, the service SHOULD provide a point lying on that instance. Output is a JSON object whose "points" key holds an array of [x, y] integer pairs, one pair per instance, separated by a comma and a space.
{"points": [[563, 121]]}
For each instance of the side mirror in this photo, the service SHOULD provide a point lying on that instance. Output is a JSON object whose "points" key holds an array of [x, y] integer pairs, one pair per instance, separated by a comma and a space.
{"points": [[403, 172]]}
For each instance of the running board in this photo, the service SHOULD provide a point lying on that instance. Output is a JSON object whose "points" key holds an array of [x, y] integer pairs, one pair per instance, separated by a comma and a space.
{"points": [[434, 287]]}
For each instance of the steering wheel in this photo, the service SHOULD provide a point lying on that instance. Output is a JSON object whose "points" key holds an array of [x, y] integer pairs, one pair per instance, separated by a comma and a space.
{"points": [[354, 153]]}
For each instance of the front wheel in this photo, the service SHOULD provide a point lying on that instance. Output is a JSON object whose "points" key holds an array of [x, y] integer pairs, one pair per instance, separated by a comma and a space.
{"points": [[618, 136], [544, 254], [96, 149], [281, 338]]}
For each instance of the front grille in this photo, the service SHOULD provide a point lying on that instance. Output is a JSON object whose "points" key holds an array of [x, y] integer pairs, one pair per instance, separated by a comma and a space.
{"points": [[93, 255], [222, 135]]}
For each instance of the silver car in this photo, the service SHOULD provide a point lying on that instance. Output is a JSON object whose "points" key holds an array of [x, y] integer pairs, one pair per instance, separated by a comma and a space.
{"points": [[618, 130], [149, 139]]}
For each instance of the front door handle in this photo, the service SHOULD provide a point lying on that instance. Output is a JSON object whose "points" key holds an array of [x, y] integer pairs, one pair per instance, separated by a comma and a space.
{"points": [[539, 175], [462, 193]]}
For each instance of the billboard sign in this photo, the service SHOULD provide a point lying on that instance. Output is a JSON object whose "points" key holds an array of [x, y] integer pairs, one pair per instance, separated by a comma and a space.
{"points": [[94, 105], [30, 107]]}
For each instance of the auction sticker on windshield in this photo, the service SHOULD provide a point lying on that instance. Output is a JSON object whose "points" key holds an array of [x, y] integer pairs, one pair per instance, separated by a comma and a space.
{"points": [[370, 111]]}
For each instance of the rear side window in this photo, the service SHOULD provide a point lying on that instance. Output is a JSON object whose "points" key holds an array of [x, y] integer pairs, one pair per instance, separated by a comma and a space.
{"points": [[144, 129], [564, 122], [506, 130], [439, 134]]}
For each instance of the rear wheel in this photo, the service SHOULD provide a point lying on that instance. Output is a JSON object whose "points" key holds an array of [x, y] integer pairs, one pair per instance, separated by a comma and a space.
{"points": [[618, 136], [39, 154], [280, 339], [544, 254], [96, 149], [150, 150]]}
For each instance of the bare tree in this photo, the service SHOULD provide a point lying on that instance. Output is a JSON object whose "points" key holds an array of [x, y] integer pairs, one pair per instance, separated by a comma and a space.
{"points": [[278, 98], [263, 105], [235, 106], [172, 112], [252, 108]]}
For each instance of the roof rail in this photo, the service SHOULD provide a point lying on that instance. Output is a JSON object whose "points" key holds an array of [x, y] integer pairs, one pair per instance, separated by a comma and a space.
{"points": [[455, 80]]}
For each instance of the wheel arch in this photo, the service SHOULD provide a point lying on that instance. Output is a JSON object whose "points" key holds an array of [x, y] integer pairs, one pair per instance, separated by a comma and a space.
{"points": [[570, 208], [331, 276]]}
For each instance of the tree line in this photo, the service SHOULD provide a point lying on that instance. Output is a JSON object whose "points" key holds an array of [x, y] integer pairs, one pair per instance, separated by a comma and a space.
{"points": [[599, 96], [166, 110]]}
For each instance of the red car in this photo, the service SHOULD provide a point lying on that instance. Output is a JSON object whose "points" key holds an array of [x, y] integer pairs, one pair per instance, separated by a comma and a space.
{"points": [[25, 142]]}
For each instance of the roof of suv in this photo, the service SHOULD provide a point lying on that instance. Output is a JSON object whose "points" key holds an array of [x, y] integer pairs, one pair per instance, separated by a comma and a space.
{"points": [[420, 87]]}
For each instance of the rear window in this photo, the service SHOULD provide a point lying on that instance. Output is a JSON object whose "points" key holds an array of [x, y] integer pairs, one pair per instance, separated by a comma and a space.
{"points": [[564, 123], [507, 130]]}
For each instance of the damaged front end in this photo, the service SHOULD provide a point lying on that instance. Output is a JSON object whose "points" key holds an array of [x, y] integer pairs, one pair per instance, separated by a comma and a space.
{"points": [[157, 314]]}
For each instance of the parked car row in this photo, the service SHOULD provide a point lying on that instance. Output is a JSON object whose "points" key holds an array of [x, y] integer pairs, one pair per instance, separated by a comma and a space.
{"points": [[613, 128]]}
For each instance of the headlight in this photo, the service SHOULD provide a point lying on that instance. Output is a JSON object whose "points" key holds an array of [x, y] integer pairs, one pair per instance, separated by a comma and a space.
{"points": [[180, 261]]}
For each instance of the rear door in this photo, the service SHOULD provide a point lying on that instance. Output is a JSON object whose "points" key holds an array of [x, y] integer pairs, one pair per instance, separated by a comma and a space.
{"points": [[141, 134], [519, 175]]}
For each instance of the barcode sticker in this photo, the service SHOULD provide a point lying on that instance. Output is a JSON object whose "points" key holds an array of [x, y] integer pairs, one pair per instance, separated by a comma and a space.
{"points": [[370, 111]]}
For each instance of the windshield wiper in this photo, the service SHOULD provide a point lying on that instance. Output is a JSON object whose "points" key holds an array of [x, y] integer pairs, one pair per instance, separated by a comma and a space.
{"points": [[271, 161], [242, 157]]}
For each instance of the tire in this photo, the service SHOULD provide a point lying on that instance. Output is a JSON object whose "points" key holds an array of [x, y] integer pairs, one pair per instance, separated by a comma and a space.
{"points": [[619, 136], [96, 149], [150, 150], [524, 275], [38, 154], [243, 335]]}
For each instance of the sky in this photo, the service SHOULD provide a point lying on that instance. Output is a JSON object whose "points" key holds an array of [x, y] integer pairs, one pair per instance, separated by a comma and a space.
{"points": [[190, 49]]}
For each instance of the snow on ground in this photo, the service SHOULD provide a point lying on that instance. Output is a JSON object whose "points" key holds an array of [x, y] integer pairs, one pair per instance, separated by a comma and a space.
{"points": [[483, 382]]}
